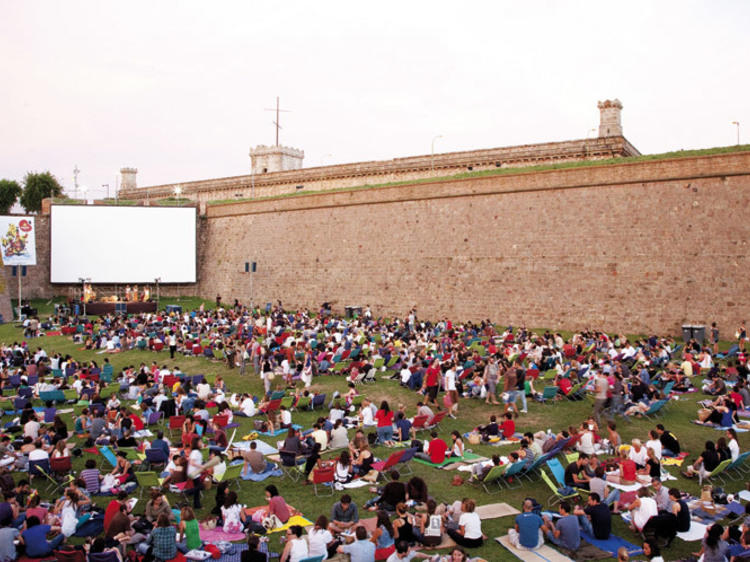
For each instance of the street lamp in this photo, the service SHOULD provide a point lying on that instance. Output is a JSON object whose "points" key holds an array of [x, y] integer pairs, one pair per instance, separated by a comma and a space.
{"points": [[157, 280], [432, 152], [107, 186], [737, 124], [178, 192], [85, 190]]}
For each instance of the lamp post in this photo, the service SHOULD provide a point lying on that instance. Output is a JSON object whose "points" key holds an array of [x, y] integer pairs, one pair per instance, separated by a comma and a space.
{"points": [[84, 190], [432, 152], [737, 124], [178, 192], [157, 280], [107, 186]]}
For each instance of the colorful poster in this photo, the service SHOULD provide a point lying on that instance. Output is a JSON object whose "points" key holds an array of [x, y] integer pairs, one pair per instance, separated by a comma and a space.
{"points": [[18, 240]]}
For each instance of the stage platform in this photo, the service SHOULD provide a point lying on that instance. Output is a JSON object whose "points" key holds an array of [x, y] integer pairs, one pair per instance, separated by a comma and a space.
{"points": [[134, 307]]}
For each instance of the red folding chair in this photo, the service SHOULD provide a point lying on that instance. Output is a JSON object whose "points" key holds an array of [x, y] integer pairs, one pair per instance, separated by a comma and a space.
{"points": [[384, 466], [419, 423], [175, 423], [323, 476]]}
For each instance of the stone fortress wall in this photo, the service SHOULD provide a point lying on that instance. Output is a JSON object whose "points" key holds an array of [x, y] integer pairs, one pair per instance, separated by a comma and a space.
{"points": [[637, 247]]}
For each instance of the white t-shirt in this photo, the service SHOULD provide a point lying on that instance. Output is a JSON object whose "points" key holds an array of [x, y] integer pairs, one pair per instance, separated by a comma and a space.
{"points": [[586, 444], [31, 429], [644, 512], [472, 525], [195, 462], [638, 457], [654, 444], [367, 417], [38, 455], [248, 407], [318, 540], [450, 380], [405, 375], [231, 516], [734, 449], [69, 519], [286, 417]]}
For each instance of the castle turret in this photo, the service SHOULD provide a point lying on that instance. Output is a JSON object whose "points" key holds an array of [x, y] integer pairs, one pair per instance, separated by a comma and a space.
{"points": [[266, 159], [609, 118], [127, 178]]}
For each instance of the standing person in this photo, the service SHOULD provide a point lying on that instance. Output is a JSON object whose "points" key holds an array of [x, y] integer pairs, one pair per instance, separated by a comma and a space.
{"points": [[450, 389], [195, 470], [431, 383], [601, 389], [715, 337], [509, 390], [172, 343], [742, 336], [491, 376]]}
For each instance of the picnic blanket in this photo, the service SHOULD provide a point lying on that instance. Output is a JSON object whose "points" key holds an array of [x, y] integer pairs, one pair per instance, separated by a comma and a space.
{"points": [[218, 534], [542, 554], [261, 446], [674, 461], [720, 427], [370, 524], [613, 544], [271, 470], [234, 555], [494, 510], [468, 457], [294, 520], [279, 431], [696, 532]]}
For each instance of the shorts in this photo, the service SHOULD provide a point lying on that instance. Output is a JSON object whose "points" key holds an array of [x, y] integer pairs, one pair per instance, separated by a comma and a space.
{"points": [[432, 393]]}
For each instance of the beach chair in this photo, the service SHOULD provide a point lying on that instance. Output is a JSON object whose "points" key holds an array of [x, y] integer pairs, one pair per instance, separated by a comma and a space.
{"points": [[323, 476], [557, 495], [40, 468], [175, 423], [147, 480], [232, 475], [737, 466], [60, 466], [419, 423], [318, 400], [549, 393], [289, 466], [155, 457], [533, 468], [434, 422], [494, 476], [277, 394], [107, 456], [513, 473], [107, 372], [312, 559], [404, 465], [384, 466], [303, 403], [287, 402], [370, 376], [715, 473], [654, 409]]}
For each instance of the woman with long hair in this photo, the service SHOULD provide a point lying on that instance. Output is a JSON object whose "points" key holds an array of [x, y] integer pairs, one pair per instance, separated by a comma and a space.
{"points": [[384, 418], [382, 536], [714, 547], [343, 469], [320, 539]]}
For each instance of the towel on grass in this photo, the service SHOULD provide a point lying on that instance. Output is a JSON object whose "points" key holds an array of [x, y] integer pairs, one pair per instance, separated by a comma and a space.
{"points": [[696, 532], [494, 510], [542, 554], [468, 457], [279, 431], [613, 544], [674, 461], [271, 470], [218, 534], [261, 446]]}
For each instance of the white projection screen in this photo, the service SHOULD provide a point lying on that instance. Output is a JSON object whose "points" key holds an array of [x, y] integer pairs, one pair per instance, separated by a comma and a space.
{"points": [[120, 244]]}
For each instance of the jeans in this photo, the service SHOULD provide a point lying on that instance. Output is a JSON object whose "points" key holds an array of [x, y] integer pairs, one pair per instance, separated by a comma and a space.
{"points": [[612, 497], [667, 453], [385, 433], [585, 524]]}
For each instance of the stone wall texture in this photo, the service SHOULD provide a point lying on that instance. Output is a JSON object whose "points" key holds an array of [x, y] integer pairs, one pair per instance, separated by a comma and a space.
{"points": [[639, 247]]}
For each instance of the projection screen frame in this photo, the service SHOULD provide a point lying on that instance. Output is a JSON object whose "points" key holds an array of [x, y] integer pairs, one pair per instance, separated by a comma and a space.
{"points": [[95, 282]]}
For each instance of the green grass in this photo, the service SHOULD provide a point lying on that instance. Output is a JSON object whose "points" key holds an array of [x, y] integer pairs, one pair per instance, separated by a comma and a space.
{"points": [[473, 412], [505, 171]]}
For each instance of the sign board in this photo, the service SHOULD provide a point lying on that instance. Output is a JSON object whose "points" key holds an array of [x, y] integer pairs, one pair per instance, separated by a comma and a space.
{"points": [[18, 240]]}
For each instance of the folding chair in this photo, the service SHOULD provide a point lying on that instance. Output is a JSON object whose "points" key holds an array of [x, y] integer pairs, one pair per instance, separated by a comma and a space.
{"points": [[155, 456], [419, 423], [175, 423], [147, 479], [715, 473], [558, 496], [737, 466], [303, 403], [404, 465], [289, 466], [434, 422], [318, 400], [323, 476], [384, 466], [549, 393], [232, 475], [61, 465], [494, 476], [513, 470]]}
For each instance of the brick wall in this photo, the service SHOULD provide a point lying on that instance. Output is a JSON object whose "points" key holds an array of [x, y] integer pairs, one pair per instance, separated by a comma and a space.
{"points": [[640, 247]]}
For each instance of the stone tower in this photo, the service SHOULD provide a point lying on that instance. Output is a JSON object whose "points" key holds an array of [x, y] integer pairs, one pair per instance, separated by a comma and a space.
{"points": [[609, 118], [266, 159], [127, 180]]}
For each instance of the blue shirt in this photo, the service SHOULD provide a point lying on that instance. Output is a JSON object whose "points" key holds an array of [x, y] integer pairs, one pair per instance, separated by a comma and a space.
{"points": [[528, 529], [35, 540], [360, 551], [570, 532], [404, 427]]}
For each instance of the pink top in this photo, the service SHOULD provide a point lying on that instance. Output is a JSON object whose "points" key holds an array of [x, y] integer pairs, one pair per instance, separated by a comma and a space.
{"points": [[277, 506]]}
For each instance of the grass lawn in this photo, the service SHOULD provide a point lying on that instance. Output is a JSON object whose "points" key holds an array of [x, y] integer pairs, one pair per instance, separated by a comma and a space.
{"points": [[472, 412]]}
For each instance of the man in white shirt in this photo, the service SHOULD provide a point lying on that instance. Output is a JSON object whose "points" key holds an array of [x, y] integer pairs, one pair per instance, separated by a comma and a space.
{"points": [[31, 429], [450, 389], [38, 454], [204, 390], [247, 406]]}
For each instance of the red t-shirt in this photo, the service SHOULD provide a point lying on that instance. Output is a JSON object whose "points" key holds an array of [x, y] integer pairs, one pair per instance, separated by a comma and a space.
{"points": [[564, 385], [436, 450], [628, 469], [112, 508], [432, 376], [509, 428], [384, 418]]}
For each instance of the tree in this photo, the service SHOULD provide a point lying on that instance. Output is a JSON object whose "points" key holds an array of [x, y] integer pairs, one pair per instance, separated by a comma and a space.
{"points": [[38, 187], [10, 190]]}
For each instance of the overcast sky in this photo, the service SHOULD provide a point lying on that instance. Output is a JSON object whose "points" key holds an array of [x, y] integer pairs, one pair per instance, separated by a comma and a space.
{"points": [[178, 89]]}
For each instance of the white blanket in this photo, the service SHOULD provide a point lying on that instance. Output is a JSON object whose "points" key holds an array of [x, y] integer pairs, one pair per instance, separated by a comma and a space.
{"points": [[697, 532]]}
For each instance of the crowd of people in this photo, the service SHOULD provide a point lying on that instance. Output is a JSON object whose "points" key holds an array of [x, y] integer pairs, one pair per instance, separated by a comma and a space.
{"points": [[442, 363]]}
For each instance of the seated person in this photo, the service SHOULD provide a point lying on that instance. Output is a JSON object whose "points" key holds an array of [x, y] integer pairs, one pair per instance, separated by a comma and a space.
{"points": [[566, 532], [434, 450]]}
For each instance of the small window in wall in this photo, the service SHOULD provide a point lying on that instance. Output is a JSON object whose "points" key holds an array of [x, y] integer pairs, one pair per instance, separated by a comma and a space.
{"points": [[300, 187], [265, 170], [470, 168]]}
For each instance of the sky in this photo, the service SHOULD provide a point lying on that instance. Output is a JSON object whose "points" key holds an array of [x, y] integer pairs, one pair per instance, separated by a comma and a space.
{"points": [[178, 89]]}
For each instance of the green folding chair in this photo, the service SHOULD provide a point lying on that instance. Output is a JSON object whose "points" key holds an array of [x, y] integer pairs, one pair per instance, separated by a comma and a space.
{"points": [[558, 496], [232, 475], [147, 479], [494, 476]]}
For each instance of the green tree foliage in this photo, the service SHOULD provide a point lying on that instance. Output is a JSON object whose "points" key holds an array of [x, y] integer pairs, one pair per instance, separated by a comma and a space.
{"points": [[37, 187], [10, 190]]}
